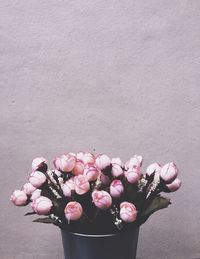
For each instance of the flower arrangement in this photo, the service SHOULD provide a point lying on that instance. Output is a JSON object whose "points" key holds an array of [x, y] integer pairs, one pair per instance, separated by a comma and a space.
{"points": [[96, 194]]}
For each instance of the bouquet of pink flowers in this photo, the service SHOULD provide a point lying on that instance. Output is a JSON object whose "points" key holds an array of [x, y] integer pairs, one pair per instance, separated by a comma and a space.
{"points": [[96, 194]]}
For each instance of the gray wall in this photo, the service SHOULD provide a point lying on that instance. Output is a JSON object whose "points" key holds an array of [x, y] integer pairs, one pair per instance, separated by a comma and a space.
{"points": [[120, 77]]}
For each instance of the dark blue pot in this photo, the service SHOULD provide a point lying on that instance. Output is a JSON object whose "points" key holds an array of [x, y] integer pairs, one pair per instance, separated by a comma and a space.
{"points": [[114, 246]]}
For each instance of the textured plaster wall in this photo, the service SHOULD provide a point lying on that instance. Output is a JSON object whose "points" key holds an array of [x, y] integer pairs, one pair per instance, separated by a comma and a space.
{"points": [[120, 77]]}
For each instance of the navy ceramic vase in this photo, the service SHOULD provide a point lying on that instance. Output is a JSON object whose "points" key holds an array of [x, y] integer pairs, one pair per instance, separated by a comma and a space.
{"points": [[113, 246]]}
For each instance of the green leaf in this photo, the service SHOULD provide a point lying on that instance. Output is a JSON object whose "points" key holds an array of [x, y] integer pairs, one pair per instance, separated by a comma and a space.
{"points": [[30, 213], [46, 220], [156, 204], [131, 192]]}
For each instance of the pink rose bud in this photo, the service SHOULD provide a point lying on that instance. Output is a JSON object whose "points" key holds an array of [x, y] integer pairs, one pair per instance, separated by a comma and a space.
{"points": [[128, 212], [80, 155], [42, 205], [38, 163], [116, 188], [56, 162], [133, 175], [174, 186], [72, 154], [88, 158], [36, 194], [116, 170], [102, 161], [81, 184], [65, 163], [136, 160], [37, 179], [104, 179], [28, 188], [78, 168], [91, 172], [71, 183], [169, 172], [67, 191], [155, 167], [73, 211], [101, 199], [19, 198], [117, 161]]}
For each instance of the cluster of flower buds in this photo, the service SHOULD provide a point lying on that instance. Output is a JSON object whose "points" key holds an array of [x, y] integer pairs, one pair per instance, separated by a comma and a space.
{"points": [[167, 174], [107, 182], [31, 191]]}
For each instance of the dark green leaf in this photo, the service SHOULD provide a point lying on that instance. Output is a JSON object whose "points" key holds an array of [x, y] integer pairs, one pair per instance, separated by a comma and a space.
{"points": [[46, 220], [29, 213], [156, 204]]}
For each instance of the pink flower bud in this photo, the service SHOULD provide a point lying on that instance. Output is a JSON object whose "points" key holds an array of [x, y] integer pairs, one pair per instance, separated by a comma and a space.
{"points": [[174, 186], [71, 183], [36, 194], [65, 163], [155, 167], [133, 175], [116, 170], [72, 154], [73, 211], [117, 161], [28, 188], [80, 155], [91, 172], [37, 179], [78, 168], [38, 162], [19, 198], [102, 161], [42, 205], [136, 160], [67, 191], [81, 184], [88, 158], [56, 162], [101, 199], [169, 172], [128, 212], [116, 188]]}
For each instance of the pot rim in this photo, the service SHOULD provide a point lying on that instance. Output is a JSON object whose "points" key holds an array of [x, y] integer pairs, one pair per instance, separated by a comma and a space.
{"points": [[86, 235], [95, 235]]}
